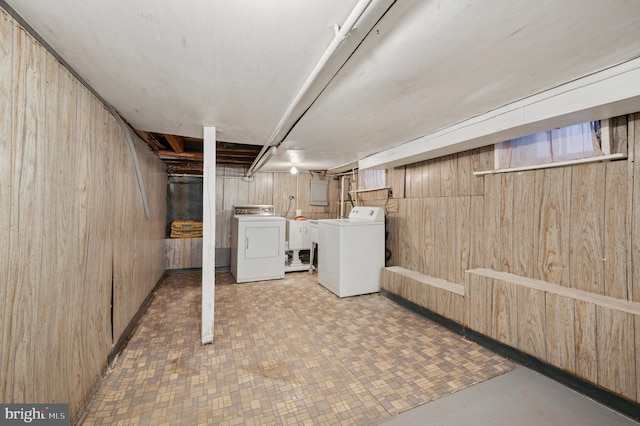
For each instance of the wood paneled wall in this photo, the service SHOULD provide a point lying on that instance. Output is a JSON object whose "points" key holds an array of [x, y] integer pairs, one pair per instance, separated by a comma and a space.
{"points": [[267, 188], [74, 228], [575, 228], [442, 207], [569, 225]]}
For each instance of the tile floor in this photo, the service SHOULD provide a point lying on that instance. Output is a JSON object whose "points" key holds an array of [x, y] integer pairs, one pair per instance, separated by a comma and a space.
{"points": [[285, 352]]}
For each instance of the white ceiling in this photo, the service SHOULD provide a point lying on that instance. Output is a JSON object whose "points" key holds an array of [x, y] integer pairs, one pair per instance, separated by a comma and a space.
{"points": [[404, 73]]}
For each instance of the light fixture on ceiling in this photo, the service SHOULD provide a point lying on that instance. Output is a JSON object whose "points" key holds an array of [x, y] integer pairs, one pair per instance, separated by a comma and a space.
{"points": [[294, 170]]}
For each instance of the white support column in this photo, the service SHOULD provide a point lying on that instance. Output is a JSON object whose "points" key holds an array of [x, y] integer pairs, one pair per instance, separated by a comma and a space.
{"points": [[208, 234]]}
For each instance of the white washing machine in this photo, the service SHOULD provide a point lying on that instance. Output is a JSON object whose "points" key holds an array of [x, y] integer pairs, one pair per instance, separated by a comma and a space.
{"points": [[351, 252], [257, 244]]}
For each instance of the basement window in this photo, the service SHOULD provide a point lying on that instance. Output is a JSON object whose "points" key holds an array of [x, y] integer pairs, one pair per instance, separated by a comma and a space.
{"points": [[371, 179], [581, 143]]}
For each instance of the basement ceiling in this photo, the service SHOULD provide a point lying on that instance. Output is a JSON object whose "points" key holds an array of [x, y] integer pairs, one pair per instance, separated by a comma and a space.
{"points": [[407, 70]]}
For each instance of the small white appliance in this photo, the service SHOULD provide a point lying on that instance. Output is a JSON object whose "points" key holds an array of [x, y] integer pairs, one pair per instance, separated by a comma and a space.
{"points": [[257, 244], [351, 252], [298, 238]]}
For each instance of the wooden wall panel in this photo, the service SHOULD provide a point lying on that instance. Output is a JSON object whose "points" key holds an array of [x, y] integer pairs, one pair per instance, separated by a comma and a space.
{"points": [[619, 141], [524, 236], [464, 173], [635, 213], [448, 205], [552, 225], [427, 237], [616, 352], [585, 343], [441, 240], [504, 310], [262, 189], [476, 233], [284, 185], [481, 159], [395, 180], [586, 227], [531, 321], [413, 173], [474, 303], [462, 231], [492, 201], [560, 331], [616, 230], [6, 114], [415, 242], [637, 346], [506, 223], [432, 180], [25, 234], [403, 233], [449, 176]]}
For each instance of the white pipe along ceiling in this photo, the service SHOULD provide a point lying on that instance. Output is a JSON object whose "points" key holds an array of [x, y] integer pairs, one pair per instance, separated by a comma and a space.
{"points": [[412, 80]]}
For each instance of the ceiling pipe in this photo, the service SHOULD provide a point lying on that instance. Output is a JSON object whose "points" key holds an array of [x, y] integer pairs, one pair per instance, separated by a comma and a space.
{"points": [[341, 33]]}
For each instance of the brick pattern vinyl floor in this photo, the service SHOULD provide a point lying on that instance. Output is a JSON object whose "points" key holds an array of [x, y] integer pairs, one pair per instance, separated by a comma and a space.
{"points": [[285, 352]]}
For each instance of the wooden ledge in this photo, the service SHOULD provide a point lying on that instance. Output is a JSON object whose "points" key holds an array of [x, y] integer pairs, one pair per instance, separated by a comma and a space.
{"points": [[428, 279], [597, 299]]}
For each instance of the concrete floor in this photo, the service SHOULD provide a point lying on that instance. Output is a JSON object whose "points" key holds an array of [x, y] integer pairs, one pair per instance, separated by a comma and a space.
{"points": [[520, 397]]}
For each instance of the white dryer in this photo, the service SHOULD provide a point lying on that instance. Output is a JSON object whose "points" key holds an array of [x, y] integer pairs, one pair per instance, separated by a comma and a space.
{"points": [[351, 252], [257, 244]]}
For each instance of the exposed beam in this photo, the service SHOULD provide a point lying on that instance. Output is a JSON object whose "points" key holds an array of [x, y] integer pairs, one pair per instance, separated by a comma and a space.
{"points": [[176, 142], [170, 155]]}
